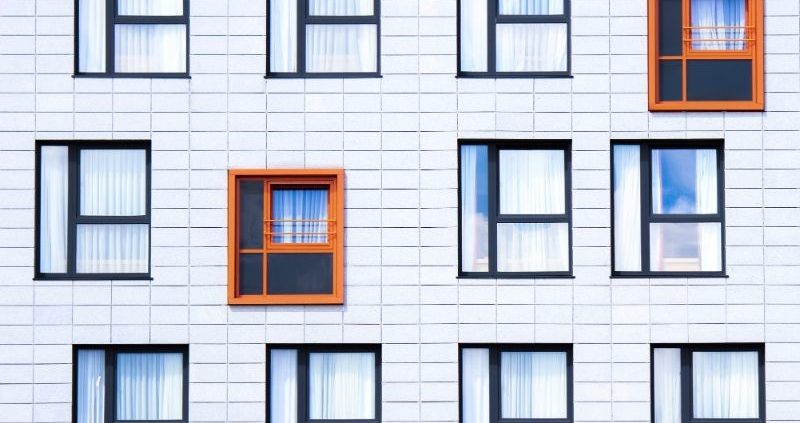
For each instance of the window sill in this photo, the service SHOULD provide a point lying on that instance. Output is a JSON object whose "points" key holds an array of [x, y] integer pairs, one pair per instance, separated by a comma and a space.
{"points": [[695, 275], [98, 277], [132, 75], [512, 75], [322, 75], [515, 276], [707, 106]]}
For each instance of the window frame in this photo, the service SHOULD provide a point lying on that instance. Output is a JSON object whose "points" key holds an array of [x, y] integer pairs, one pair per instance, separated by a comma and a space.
{"points": [[113, 18], [646, 206], [303, 351], [494, 216], [494, 19], [687, 406], [304, 19], [334, 178], [111, 351], [74, 218], [755, 52], [494, 378]]}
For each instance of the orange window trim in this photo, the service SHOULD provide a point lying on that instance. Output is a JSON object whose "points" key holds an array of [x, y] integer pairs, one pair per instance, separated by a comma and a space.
{"points": [[334, 179], [754, 52]]}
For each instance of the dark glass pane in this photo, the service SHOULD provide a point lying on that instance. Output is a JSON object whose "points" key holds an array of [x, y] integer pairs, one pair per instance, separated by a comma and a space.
{"points": [[719, 80], [300, 273], [250, 274], [669, 80], [251, 214], [670, 28]]}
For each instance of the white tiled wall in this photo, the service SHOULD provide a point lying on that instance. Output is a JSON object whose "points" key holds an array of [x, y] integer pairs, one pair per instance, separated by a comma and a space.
{"points": [[396, 137]]}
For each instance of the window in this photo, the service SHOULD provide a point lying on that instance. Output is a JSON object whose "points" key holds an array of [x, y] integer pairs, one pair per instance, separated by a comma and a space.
{"points": [[524, 383], [130, 383], [323, 38], [513, 38], [515, 209], [93, 210], [712, 383], [668, 209], [323, 383], [286, 236], [132, 38], [706, 55]]}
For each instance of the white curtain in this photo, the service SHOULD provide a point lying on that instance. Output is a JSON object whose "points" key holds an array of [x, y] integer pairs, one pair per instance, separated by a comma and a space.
{"points": [[725, 384], [533, 385], [150, 48], [709, 239], [341, 386], [92, 35], [91, 386], [149, 386], [531, 7], [341, 7], [150, 7], [113, 182], [300, 216], [532, 247], [540, 47], [112, 248], [474, 36], [627, 209], [342, 48], [283, 386], [54, 195], [667, 385], [283, 35], [532, 182], [722, 20], [474, 218], [475, 385]]}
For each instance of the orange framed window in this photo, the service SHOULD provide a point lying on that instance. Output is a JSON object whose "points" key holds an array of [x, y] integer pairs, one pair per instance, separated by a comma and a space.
{"points": [[706, 55], [286, 236]]}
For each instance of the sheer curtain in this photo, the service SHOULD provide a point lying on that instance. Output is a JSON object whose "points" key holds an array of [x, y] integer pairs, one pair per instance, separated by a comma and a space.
{"points": [[283, 35], [301, 216], [656, 236], [709, 237], [725, 384], [533, 385], [627, 209], [667, 385], [475, 385], [150, 48], [531, 7], [474, 210], [150, 7], [341, 386], [474, 36], [538, 47], [149, 386], [283, 386], [342, 48], [91, 389], [722, 20], [92, 35], [532, 247], [340, 7], [54, 195]]}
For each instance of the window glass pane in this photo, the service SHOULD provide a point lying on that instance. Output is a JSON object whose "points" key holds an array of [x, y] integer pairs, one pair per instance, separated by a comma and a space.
{"points": [[725, 384], [341, 7], [307, 273], [283, 35], [718, 24], [149, 386], [251, 274], [474, 209], [475, 385], [150, 48], [532, 47], [150, 7], [533, 247], [300, 216], [341, 48], [341, 386], [531, 7], [283, 386], [627, 209], [667, 385], [533, 385], [684, 181], [685, 247], [108, 248], [113, 183], [251, 214], [53, 197], [91, 389], [91, 35], [532, 182], [473, 36]]}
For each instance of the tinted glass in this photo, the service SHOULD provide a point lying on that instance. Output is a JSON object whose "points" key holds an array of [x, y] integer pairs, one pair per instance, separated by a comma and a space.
{"points": [[300, 273], [670, 28], [719, 80], [670, 86], [251, 214], [251, 274]]}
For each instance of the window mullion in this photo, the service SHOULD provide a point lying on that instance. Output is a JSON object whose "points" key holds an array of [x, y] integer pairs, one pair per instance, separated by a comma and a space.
{"points": [[301, 36], [645, 185], [111, 14], [72, 209], [491, 33], [493, 193]]}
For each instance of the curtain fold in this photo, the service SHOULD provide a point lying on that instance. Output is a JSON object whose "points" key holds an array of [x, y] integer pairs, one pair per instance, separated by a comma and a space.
{"points": [[709, 237], [532, 182], [283, 35], [531, 7], [146, 48], [667, 385], [113, 182], [627, 209], [150, 7], [721, 22], [341, 7], [91, 388], [341, 386], [474, 209], [91, 35], [300, 216], [533, 385], [540, 47], [725, 384], [474, 36], [54, 197], [341, 48], [283, 386], [475, 385], [112, 248], [532, 247], [149, 386]]}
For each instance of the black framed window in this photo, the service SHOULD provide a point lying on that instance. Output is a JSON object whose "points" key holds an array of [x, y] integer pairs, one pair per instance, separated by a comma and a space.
{"points": [[707, 383], [514, 38], [324, 383], [668, 207], [132, 38], [515, 382], [323, 38], [113, 383], [92, 210], [515, 216]]}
